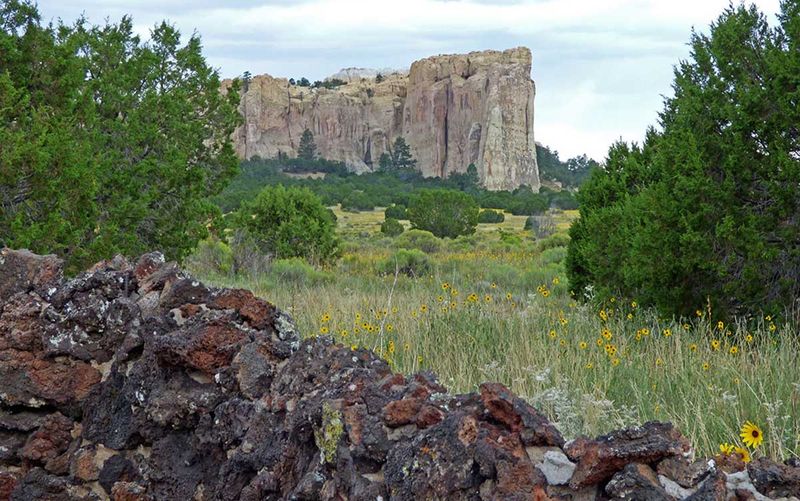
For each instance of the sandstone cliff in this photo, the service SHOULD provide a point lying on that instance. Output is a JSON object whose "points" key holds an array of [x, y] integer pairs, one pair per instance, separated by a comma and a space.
{"points": [[453, 110]]}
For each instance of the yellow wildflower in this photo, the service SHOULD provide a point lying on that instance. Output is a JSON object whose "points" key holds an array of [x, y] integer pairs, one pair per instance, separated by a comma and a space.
{"points": [[751, 434]]}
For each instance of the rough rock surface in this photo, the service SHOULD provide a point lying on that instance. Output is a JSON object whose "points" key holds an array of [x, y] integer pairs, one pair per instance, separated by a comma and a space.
{"points": [[134, 381], [452, 110]]}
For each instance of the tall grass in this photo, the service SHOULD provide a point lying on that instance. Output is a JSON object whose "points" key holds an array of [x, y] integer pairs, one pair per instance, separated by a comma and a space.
{"points": [[503, 313]]}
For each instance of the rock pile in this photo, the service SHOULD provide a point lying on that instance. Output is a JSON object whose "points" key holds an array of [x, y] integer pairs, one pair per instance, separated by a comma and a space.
{"points": [[135, 381]]}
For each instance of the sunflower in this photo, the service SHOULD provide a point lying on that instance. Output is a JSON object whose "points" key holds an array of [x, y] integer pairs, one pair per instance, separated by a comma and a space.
{"points": [[751, 434], [693, 347], [726, 448], [715, 344], [583, 345], [744, 453]]}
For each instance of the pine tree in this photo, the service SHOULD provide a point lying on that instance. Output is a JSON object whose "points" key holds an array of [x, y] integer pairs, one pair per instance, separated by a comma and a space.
{"points": [[307, 149], [109, 145], [401, 155]]}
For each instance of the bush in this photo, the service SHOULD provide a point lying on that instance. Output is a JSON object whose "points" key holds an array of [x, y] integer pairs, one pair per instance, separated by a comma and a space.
{"points": [[418, 239], [395, 212], [298, 272], [555, 240], [211, 256], [491, 216], [411, 262], [445, 213], [542, 226], [392, 227], [706, 210], [287, 223]]}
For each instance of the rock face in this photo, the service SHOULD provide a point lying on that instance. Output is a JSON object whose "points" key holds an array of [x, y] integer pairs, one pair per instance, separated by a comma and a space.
{"points": [[134, 381], [452, 110]]}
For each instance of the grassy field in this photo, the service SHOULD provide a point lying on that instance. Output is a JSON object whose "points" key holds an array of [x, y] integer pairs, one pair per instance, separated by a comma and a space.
{"points": [[495, 306]]}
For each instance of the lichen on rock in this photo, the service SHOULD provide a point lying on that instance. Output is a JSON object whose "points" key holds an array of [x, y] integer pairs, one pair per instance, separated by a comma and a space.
{"points": [[135, 381]]}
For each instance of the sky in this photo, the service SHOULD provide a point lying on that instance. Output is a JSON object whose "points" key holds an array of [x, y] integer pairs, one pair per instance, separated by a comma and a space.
{"points": [[601, 67]]}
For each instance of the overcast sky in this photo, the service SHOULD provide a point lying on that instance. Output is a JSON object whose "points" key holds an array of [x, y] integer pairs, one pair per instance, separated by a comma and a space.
{"points": [[601, 66]]}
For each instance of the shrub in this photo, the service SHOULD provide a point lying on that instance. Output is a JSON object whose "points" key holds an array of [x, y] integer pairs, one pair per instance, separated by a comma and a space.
{"points": [[395, 212], [706, 210], [445, 213], [298, 272], [491, 216], [289, 222], [411, 262], [211, 256], [418, 239], [392, 227], [542, 226]]}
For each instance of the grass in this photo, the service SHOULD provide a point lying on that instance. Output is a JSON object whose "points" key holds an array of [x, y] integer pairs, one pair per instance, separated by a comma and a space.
{"points": [[497, 308]]}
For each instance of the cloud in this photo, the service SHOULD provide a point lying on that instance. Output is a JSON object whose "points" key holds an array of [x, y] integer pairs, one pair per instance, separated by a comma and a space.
{"points": [[601, 67]]}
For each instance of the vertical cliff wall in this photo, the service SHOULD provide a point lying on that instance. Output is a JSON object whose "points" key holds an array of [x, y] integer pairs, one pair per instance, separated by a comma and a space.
{"points": [[452, 110]]}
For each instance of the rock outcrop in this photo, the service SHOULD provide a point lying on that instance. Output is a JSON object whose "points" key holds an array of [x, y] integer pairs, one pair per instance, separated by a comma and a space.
{"points": [[134, 381], [453, 111]]}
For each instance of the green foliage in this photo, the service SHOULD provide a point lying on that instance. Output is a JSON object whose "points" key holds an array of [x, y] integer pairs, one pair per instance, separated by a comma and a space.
{"points": [[468, 181], [410, 262], [491, 216], [381, 188], [289, 222], [212, 256], [398, 157], [707, 209], [109, 144], [445, 213], [307, 149], [571, 174], [391, 227], [395, 211], [298, 272], [420, 240], [329, 84]]}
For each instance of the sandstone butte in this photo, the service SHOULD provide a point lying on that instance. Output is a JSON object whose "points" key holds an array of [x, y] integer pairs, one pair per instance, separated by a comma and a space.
{"points": [[136, 382], [453, 110]]}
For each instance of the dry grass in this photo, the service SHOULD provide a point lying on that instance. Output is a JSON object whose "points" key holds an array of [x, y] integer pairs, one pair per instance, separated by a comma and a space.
{"points": [[501, 325]]}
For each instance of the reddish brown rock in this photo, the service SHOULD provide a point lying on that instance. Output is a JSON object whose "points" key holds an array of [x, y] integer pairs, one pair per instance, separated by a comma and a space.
{"points": [[610, 453], [401, 412], [23, 271], [8, 482], [428, 416], [712, 489], [729, 463], [636, 481], [773, 479], [684, 472], [50, 440], [257, 312], [129, 491], [518, 416]]}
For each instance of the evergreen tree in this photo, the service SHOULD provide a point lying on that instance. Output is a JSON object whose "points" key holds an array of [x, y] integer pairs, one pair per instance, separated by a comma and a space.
{"points": [[706, 210], [445, 213], [401, 155], [109, 145], [307, 149]]}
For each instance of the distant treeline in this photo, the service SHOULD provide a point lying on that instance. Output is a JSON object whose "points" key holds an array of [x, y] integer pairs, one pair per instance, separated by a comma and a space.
{"points": [[378, 189]]}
